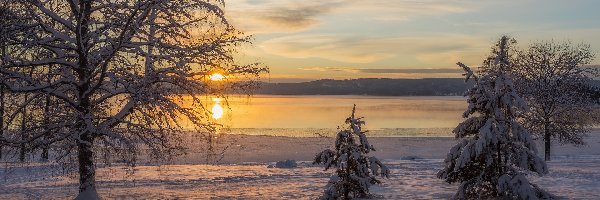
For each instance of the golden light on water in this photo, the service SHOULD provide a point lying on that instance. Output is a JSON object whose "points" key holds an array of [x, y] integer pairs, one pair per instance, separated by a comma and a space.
{"points": [[278, 111], [217, 109], [216, 77]]}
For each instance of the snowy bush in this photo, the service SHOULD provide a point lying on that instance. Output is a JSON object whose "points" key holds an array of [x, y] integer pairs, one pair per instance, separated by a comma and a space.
{"points": [[284, 164], [495, 152], [355, 171], [411, 158]]}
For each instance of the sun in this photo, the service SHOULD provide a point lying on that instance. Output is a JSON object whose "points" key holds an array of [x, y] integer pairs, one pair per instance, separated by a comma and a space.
{"points": [[216, 77]]}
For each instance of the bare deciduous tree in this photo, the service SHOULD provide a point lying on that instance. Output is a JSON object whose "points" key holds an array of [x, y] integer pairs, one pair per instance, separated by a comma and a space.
{"points": [[120, 70], [555, 81]]}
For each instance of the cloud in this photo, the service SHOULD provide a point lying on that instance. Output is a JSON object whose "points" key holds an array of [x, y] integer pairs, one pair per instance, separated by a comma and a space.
{"points": [[294, 18], [329, 69], [281, 16], [332, 47], [405, 10], [360, 49], [270, 16]]}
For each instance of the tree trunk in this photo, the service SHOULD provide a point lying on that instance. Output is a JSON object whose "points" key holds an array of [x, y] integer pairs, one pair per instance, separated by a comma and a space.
{"points": [[22, 150], [24, 133], [547, 142], [499, 159], [1, 115], [346, 183], [87, 170], [45, 154], [46, 123], [3, 54]]}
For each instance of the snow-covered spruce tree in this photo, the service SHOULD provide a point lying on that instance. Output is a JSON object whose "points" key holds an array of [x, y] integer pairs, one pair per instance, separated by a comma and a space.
{"points": [[120, 71], [355, 171], [495, 152]]}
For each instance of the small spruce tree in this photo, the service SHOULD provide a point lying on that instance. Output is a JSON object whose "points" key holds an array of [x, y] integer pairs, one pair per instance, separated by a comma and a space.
{"points": [[496, 152], [355, 171]]}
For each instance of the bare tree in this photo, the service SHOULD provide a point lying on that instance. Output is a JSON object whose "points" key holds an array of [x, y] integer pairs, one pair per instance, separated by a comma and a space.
{"points": [[121, 69], [556, 83], [46, 119]]}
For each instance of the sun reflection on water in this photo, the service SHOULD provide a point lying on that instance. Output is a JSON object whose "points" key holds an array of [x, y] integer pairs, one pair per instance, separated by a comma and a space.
{"points": [[217, 109]]}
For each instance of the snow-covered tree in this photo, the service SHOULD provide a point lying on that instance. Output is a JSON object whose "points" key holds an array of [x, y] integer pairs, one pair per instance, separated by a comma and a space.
{"points": [[120, 71], [355, 170], [556, 83], [495, 152]]}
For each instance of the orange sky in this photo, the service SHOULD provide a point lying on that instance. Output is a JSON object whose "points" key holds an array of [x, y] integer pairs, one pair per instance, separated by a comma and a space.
{"points": [[310, 39]]}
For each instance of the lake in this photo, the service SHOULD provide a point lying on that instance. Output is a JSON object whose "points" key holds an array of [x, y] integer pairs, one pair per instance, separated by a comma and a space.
{"points": [[302, 116]]}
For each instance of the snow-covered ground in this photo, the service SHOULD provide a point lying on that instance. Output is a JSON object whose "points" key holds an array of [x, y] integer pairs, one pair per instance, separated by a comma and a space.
{"points": [[574, 173]]}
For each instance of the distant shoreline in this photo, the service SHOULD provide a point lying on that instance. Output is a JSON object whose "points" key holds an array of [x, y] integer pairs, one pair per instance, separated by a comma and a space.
{"points": [[363, 95], [336, 95], [369, 86]]}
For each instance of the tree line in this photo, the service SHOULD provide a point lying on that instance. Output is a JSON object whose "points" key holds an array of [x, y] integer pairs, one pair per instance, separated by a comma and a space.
{"points": [[369, 86]]}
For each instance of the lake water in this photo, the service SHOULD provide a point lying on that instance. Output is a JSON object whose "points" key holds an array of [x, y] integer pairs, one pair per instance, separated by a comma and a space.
{"points": [[302, 116]]}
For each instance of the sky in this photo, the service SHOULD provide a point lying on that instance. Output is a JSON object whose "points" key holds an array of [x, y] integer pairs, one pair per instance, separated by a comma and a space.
{"points": [[302, 40]]}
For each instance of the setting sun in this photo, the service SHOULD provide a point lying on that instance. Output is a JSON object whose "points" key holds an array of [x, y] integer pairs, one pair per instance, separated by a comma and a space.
{"points": [[216, 77]]}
